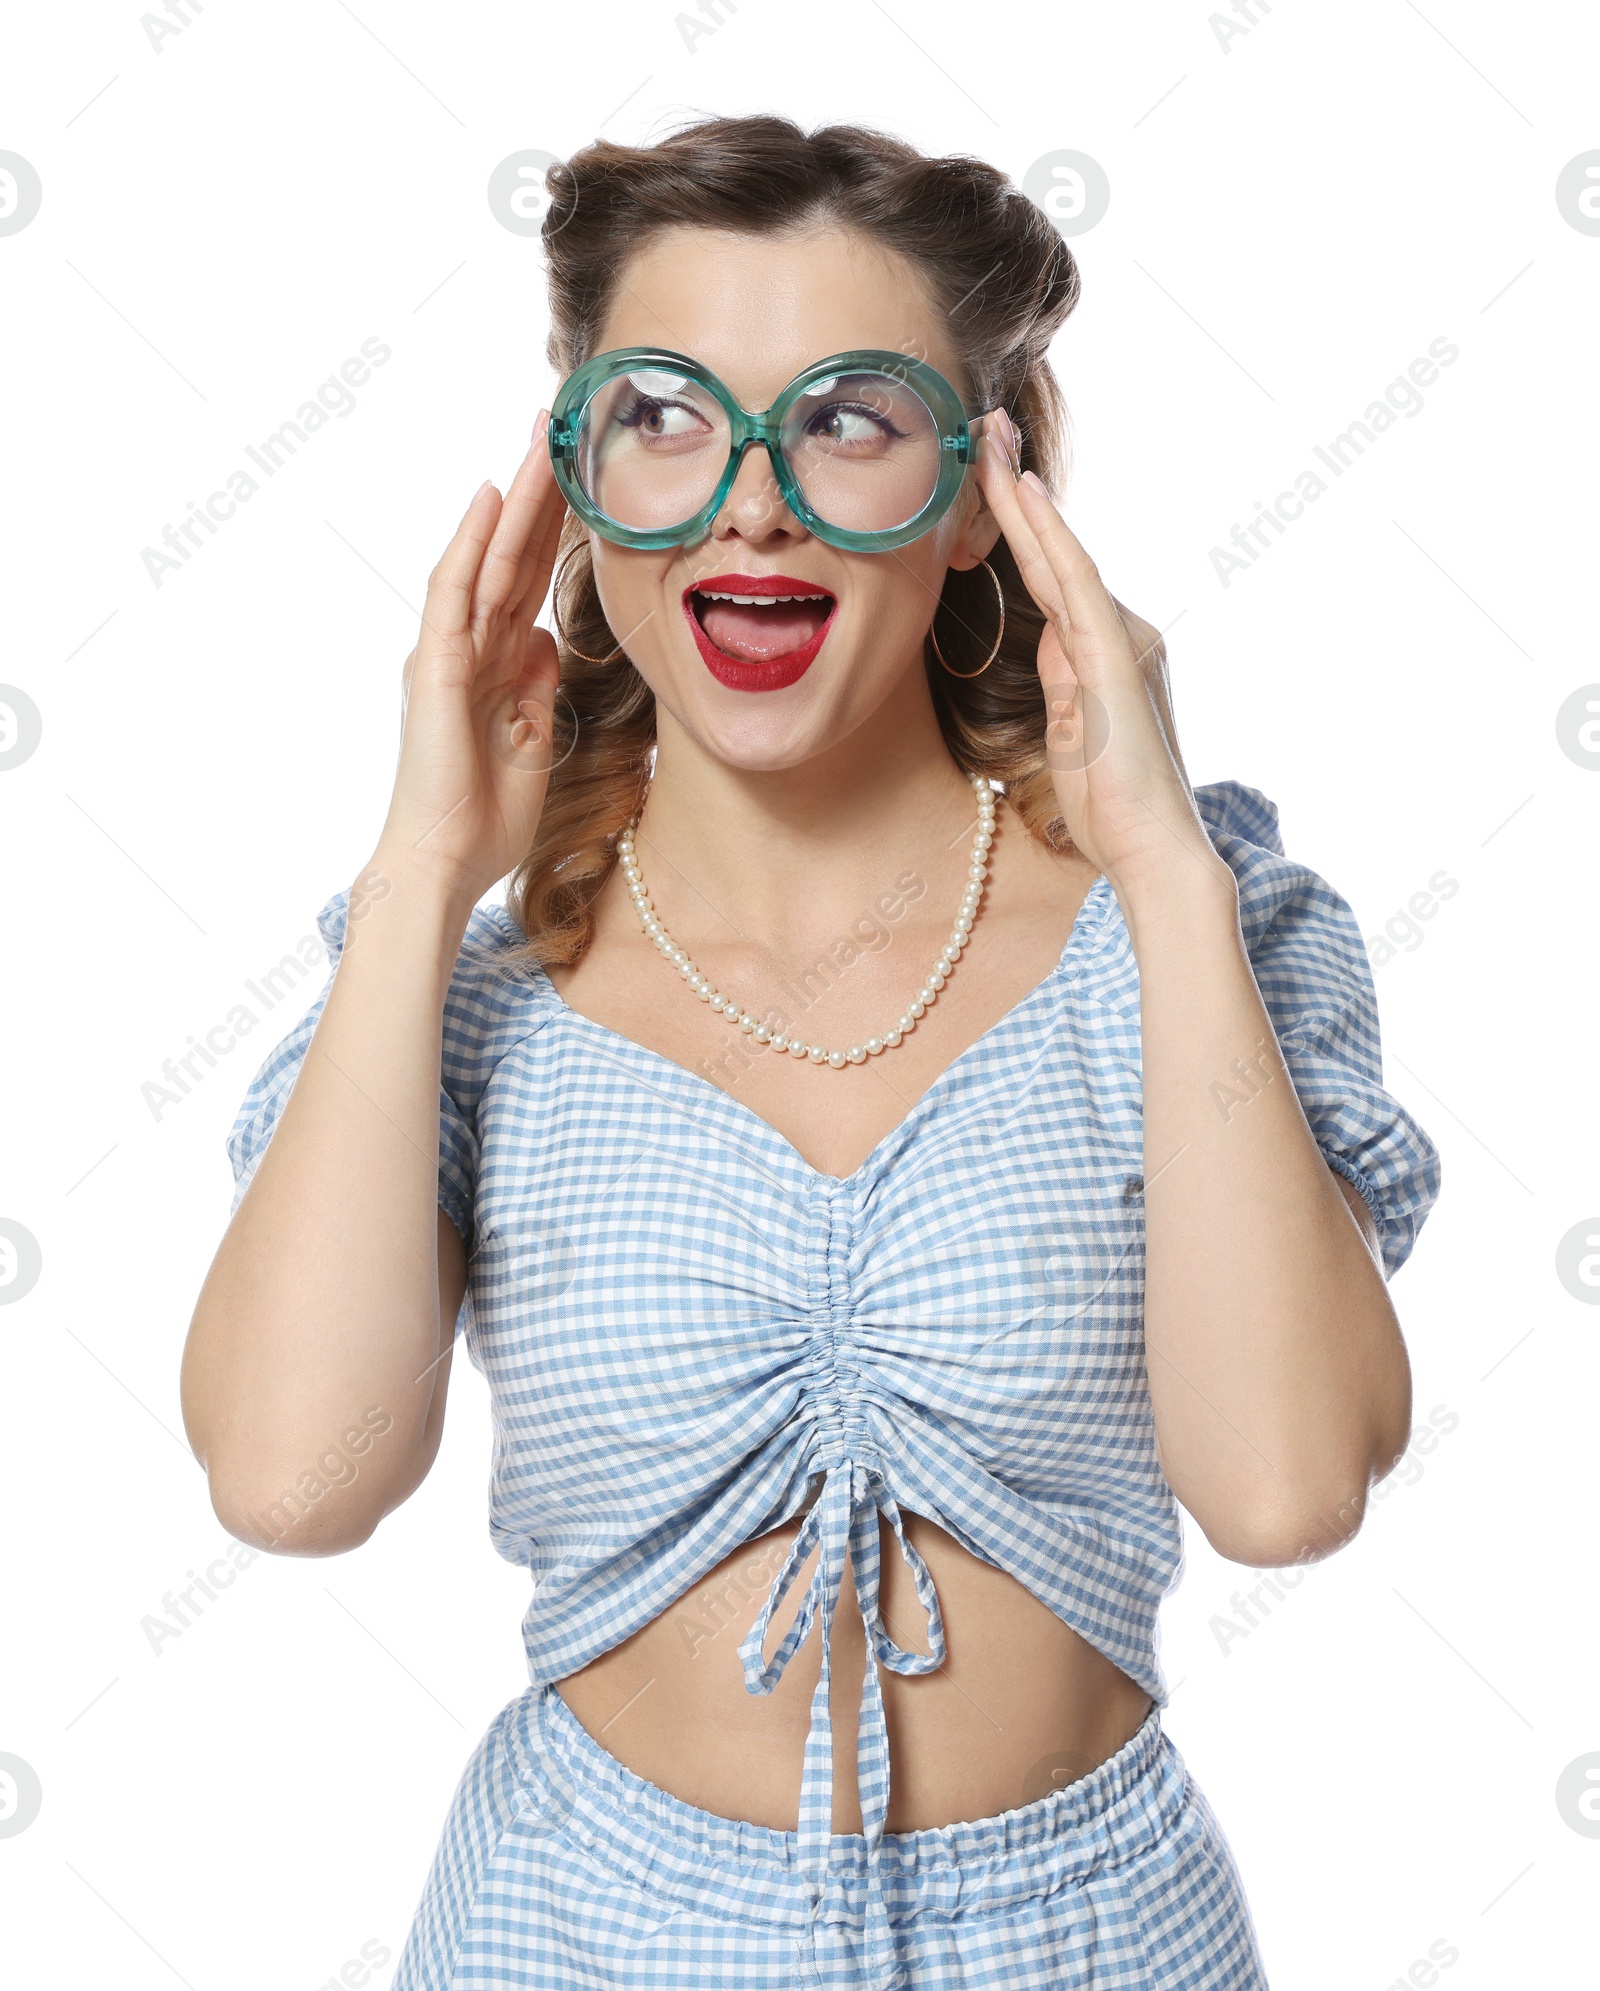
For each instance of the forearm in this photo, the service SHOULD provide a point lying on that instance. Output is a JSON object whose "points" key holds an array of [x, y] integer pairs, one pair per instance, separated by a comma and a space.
{"points": [[322, 1303], [1278, 1376]]}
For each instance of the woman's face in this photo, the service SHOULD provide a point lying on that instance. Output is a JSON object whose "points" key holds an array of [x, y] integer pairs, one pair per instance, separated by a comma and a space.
{"points": [[756, 310]]}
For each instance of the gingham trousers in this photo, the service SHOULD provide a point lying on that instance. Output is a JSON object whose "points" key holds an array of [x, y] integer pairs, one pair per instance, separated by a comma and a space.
{"points": [[560, 1870]]}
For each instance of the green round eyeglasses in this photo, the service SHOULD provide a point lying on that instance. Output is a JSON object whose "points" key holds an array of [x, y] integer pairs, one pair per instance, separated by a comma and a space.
{"points": [[868, 448]]}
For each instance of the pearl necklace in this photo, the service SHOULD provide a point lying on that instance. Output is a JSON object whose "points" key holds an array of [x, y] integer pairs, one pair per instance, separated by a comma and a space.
{"points": [[797, 1047]]}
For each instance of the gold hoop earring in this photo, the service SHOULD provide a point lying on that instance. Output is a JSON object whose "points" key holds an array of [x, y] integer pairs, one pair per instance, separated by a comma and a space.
{"points": [[555, 617], [1000, 596]]}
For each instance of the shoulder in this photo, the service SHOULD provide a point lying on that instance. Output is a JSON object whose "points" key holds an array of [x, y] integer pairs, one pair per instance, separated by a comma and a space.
{"points": [[497, 997], [1278, 895]]}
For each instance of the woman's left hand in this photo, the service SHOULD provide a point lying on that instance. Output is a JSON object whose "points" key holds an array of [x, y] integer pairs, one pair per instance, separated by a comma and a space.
{"points": [[1110, 741]]}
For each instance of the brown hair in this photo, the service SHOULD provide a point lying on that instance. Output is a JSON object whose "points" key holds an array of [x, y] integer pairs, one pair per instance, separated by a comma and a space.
{"points": [[1007, 280]]}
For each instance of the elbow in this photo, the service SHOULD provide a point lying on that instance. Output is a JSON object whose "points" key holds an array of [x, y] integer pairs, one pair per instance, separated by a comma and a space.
{"points": [[1282, 1531], [291, 1522]]}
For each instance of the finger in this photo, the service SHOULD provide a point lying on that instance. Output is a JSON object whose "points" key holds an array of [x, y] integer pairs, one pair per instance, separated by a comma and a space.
{"points": [[539, 555], [1000, 487], [1089, 607], [519, 516], [447, 610], [1151, 649]]}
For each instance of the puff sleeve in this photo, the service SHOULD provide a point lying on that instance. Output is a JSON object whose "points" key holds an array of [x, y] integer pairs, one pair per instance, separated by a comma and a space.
{"points": [[270, 1088], [1310, 963]]}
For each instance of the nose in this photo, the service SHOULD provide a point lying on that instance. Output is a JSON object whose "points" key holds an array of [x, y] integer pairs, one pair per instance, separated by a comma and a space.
{"points": [[754, 508]]}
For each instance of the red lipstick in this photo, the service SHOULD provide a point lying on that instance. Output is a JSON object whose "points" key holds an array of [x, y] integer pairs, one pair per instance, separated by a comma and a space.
{"points": [[753, 627]]}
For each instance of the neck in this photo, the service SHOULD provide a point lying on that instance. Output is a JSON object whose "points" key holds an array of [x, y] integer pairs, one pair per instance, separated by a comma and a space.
{"points": [[765, 853]]}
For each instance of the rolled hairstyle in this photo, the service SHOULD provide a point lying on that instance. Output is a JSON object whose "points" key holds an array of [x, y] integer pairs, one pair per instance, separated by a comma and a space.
{"points": [[1007, 281]]}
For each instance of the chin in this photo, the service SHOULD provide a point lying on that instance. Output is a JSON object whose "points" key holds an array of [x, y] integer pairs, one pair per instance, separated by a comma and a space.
{"points": [[762, 733]]}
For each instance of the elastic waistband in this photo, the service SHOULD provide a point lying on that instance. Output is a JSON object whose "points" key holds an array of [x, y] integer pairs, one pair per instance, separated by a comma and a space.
{"points": [[726, 1865]]}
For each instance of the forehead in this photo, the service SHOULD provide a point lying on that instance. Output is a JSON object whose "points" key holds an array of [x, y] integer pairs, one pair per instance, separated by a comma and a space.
{"points": [[758, 308]]}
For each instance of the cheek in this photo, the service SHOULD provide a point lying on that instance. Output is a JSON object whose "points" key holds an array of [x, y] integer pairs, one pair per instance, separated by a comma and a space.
{"points": [[904, 591], [633, 587]]}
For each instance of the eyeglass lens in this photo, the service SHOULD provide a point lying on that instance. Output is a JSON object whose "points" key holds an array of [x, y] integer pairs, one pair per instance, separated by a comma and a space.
{"points": [[863, 447]]}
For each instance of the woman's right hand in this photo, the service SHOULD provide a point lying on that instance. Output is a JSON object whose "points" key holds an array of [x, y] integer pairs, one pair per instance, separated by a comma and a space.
{"points": [[478, 693]]}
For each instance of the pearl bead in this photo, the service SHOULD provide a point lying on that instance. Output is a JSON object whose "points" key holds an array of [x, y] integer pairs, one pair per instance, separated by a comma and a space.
{"points": [[724, 1006]]}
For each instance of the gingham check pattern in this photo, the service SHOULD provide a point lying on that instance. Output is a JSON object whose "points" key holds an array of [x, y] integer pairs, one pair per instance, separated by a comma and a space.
{"points": [[682, 1322], [559, 1870]]}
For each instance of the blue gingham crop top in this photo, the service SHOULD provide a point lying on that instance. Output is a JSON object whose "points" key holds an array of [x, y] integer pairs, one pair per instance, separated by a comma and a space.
{"points": [[684, 1325]]}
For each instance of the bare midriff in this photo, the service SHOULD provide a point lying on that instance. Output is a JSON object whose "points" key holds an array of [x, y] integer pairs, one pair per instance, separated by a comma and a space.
{"points": [[1022, 1705]]}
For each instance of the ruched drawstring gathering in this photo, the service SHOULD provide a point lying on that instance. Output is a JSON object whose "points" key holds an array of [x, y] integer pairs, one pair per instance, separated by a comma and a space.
{"points": [[843, 1522]]}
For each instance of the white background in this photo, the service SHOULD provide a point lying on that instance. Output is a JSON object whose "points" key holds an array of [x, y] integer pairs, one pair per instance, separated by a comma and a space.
{"points": [[1293, 219]]}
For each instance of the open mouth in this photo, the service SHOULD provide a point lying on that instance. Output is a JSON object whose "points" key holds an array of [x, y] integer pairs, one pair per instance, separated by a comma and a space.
{"points": [[757, 632]]}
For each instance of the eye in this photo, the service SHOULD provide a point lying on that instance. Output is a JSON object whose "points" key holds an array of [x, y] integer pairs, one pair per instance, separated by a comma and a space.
{"points": [[852, 425], [660, 420]]}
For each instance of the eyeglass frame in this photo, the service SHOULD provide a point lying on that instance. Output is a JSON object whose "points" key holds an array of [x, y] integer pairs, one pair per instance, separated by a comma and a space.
{"points": [[765, 426]]}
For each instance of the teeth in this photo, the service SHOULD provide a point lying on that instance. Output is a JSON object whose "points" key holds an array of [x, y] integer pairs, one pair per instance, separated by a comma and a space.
{"points": [[757, 601]]}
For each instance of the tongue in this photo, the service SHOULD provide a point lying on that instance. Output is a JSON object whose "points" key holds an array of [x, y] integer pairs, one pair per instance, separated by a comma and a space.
{"points": [[758, 634]]}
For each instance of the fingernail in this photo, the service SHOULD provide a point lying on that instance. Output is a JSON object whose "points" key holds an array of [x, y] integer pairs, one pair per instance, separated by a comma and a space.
{"points": [[1028, 477], [541, 422], [1013, 445]]}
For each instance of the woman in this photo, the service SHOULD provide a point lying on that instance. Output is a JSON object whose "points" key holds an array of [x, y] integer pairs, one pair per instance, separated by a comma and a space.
{"points": [[862, 1307]]}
